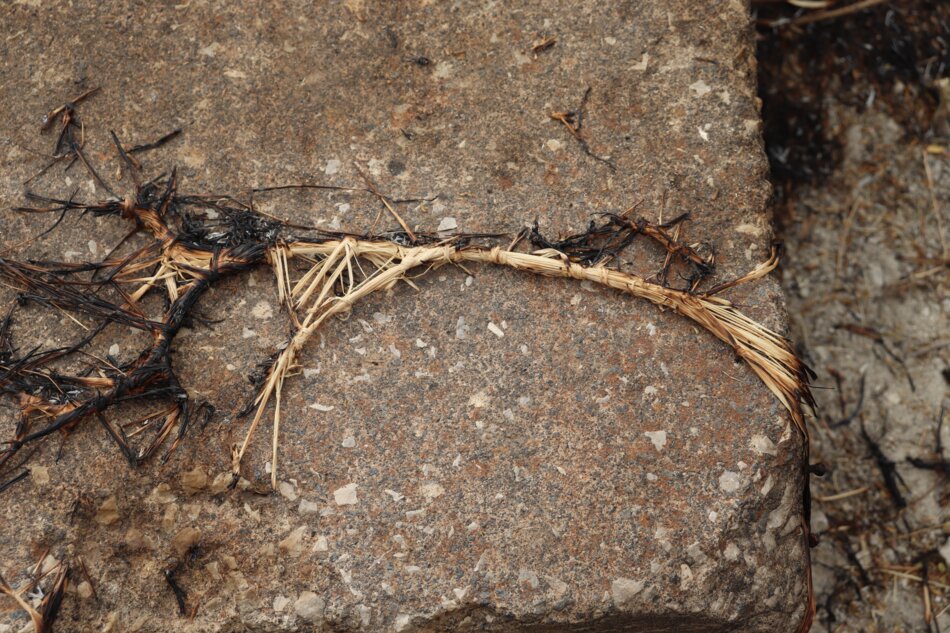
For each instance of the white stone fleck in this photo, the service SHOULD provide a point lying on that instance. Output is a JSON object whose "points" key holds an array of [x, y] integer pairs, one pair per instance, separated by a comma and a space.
{"points": [[248, 333], [323, 408], [402, 622], [704, 132], [431, 490], [658, 438], [729, 481], [731, 552], [481, 562], [624, 589], [366, 615], [686, 576], [346, 496], [700, 87], [262, 310], [447, 224], [293, 543], [349, 441], [649, 390], [395, 495], [494, 329], [333, 166], [479, 400], [696, 553], [443, 70], [322, 545], [308, 507], [558, 586], [309, 606], [762, 444], [93, 247], [376, 166], [114, 349], [395, 351], [461, 329], [750, 229], [40, 475], [287, 490], [945, 551], [526, 577], [280, 603], [651, 477], [553, 144]]}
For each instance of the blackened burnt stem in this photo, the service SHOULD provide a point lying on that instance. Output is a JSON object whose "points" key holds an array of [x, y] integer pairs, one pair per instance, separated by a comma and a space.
{"points": [[152, 374]]}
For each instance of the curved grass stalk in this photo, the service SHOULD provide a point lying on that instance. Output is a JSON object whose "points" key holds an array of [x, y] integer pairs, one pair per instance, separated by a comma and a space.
{"points": [[769, 355]]}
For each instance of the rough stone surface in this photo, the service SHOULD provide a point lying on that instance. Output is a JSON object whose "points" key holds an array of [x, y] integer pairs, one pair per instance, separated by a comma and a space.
{"points": [[479, 450]]}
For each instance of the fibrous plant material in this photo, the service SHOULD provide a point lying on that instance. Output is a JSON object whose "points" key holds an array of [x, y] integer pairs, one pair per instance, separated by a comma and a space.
{"points": [[190, 242], [189, 253], [44, 614]]}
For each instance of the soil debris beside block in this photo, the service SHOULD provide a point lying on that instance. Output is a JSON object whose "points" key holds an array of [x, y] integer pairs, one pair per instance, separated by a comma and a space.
{"points": [[855, 114]]}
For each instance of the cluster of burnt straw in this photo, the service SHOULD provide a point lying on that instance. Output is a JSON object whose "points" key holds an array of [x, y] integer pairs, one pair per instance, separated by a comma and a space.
{"points": [[187, 243]]}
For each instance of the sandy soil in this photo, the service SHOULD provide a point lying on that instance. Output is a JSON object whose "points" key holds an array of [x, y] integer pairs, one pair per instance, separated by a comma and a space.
{"points": [[862, 162]]}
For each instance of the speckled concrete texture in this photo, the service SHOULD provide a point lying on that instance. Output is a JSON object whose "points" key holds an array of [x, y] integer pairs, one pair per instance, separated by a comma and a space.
{"points": [[491, 451]]}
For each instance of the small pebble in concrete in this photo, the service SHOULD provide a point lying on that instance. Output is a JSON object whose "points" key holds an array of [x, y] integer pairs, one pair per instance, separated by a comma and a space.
{"points": [[345, 496], [447, 224], [287, 490], [308, 507], [108, 512], [729, 481], [658, 438], [309, 607], [624, 589]]}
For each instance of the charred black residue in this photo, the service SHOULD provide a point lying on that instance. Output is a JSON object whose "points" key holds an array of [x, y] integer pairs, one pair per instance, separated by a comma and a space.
{"points": [[886, 57]]}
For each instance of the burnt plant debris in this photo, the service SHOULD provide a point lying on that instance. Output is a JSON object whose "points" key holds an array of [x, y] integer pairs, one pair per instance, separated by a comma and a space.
{"points": [[573, 120], [889, 55], [43, 615], [181, 244]]}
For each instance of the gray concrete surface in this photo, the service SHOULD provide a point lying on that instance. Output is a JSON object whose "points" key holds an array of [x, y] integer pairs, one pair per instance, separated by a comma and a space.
{"points": [[601, 466]]}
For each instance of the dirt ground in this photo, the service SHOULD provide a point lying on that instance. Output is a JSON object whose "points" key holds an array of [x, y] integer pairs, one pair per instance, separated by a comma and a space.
{"points": [[857, 127]]}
